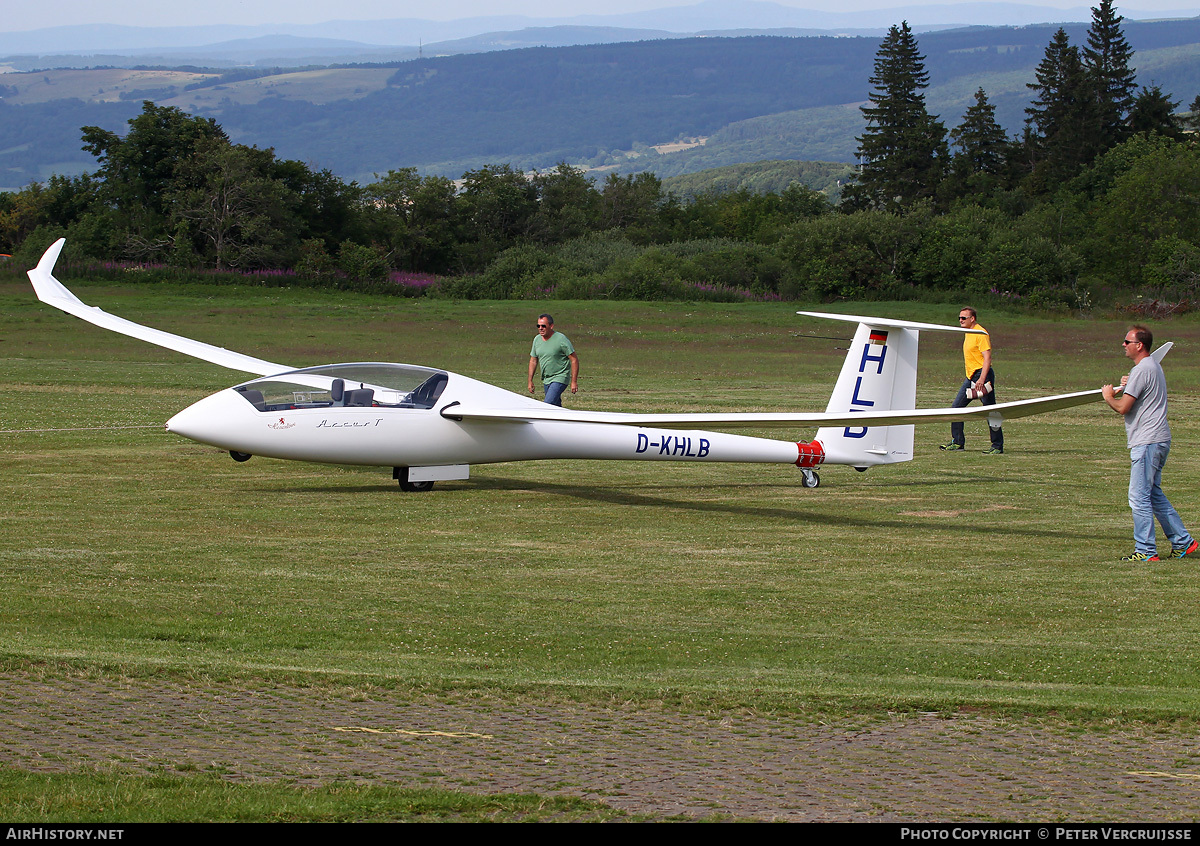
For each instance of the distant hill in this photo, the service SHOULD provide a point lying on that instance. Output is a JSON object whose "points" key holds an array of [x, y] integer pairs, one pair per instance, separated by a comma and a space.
{"points": [[768, 97], [401, 39], [753, 98], [728, 17], [761, 178]]}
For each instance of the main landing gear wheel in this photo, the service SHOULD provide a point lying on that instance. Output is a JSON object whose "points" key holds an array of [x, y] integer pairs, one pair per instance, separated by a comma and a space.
{"points": [[811, 479], [400, 474]]}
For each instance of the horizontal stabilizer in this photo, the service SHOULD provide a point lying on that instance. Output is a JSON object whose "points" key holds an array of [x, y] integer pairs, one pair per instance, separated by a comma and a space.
{"points": [[890, 323], [52, 292]]}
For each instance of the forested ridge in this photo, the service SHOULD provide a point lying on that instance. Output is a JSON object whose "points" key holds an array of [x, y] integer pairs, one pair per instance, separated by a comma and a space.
{"points": [[538, 106], [585, 105]]}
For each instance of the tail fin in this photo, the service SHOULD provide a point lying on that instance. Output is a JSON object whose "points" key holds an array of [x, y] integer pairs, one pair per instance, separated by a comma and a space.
{"points": [[879, 374]]}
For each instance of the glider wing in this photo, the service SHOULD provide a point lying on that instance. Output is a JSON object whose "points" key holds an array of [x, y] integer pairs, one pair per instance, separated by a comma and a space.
{"points": [[769, 420], [52, 292]]}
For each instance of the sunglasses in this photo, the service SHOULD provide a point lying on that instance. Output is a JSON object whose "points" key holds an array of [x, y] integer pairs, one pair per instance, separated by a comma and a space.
{"points": [[543, 325], [1127, 343]]}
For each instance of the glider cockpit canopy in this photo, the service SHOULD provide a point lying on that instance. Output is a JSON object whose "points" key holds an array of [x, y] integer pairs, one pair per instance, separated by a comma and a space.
{"points": [[361, 384]]}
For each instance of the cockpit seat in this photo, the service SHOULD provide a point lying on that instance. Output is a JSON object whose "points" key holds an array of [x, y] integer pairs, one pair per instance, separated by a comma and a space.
{"points": [[359, 398], [427, 392]]}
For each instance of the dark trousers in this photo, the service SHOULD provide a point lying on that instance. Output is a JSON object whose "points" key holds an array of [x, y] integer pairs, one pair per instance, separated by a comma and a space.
{"points": [[961, 401]]}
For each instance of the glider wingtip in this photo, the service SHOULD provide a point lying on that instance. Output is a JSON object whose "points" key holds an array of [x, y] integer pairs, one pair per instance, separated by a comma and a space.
{"points": [[44, 284], [50, 257]]}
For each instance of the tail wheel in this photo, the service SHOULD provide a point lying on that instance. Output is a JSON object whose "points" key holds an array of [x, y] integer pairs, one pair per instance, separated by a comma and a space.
{"points": [[811, 479]]}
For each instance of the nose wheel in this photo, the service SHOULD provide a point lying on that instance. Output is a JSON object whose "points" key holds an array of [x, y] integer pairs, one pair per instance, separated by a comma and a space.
{"points": [[811, 479]]}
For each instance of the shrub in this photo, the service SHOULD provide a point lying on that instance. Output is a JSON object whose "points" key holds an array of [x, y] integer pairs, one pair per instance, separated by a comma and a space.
{"points": [[362, 264]]}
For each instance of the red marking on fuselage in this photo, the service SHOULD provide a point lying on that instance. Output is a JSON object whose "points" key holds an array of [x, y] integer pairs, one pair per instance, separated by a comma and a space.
{"points": [[811, 454]]}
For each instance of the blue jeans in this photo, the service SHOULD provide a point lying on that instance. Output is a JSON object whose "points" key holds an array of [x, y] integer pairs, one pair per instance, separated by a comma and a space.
{"points": [[554, 392], [1148, 501], [961, 401]]}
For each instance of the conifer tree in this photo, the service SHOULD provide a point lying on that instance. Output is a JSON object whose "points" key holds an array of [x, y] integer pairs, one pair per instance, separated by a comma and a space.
{"points": [[1106, 63], [1153, 113], [982, 154], [903, 150], [1191, 121], [981, 141], [1061, 122]]}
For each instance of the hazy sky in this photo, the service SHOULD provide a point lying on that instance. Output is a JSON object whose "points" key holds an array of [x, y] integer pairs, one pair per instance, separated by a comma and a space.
{"points": [[19, 15]]}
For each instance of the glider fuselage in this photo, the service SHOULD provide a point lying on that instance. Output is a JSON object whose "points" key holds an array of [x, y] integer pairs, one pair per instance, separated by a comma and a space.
{"points": [[301, 420]]}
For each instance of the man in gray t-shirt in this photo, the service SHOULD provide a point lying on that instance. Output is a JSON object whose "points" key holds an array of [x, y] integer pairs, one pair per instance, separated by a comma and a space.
{"points": [[1143, 403]]}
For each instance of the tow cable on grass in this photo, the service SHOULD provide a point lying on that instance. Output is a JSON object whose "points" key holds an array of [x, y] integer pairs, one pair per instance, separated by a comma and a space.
{"points": [[84, 428], [413, 733]]}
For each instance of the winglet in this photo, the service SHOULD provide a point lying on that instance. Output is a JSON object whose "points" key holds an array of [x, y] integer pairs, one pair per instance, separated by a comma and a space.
{"points": [[45, 285]]}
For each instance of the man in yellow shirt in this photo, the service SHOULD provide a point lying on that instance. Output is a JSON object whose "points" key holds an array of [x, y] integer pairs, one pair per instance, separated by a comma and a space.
{"points": [[980, 382]]}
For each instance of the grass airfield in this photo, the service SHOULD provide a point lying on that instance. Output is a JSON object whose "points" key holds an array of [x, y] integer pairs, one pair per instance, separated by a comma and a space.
{"points": [[954, 584]]}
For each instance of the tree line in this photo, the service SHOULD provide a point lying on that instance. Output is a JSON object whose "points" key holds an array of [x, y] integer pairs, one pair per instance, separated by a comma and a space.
{"points": [[1094, 201], [1084, 103]]}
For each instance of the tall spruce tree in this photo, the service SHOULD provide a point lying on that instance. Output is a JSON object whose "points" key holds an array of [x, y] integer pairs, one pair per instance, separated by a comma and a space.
{"points": [[1060, 122], [1113, 87], [981, 141], [903, 151], [981, 158]]}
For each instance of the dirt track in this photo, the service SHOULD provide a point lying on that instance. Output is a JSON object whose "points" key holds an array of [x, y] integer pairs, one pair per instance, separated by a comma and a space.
{"points": [[646, 760]]}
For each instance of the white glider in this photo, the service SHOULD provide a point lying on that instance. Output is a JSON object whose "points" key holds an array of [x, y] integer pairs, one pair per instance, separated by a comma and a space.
{"points": [[430, 424]]}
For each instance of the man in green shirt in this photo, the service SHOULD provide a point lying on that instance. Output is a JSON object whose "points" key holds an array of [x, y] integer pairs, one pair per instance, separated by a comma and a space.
{"points": [[552, 351]]}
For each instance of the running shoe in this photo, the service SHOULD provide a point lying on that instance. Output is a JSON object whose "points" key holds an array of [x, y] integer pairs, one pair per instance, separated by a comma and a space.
{"points": [[1184, 553]]}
